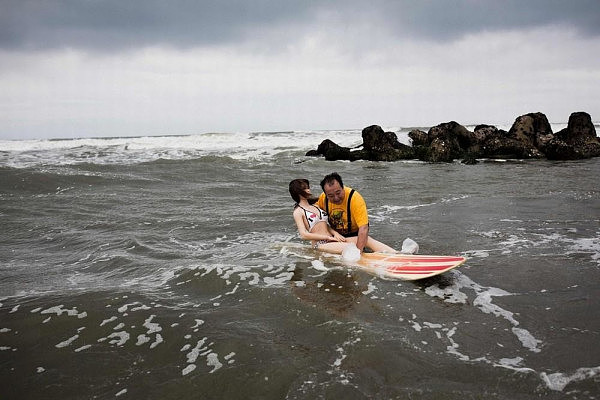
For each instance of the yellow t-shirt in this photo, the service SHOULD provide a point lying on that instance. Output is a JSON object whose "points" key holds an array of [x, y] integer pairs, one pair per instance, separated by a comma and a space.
{"points": [[337, 212]]}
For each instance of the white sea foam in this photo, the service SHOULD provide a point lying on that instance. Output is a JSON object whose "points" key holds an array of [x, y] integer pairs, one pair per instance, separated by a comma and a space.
{"points": [[127, 150], [106, 321], [67, 342], [527, 339], [530, 240], [476, 254], [341, 351], [158, 340], [484, 302], [587, 245], [558, 381], [195, 352], [318, 265], [229, 358], [453, 347], [278, 279], [199, 322], [188, 369], [124, 307], [450, 294], [118, 338], [152, 327], [59, 310], [370, 289], [513, 364], [212, 360], [119, 326]]}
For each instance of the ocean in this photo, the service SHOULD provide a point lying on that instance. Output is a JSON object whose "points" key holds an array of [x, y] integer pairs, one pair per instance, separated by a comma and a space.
{"points": [[170, 268]]}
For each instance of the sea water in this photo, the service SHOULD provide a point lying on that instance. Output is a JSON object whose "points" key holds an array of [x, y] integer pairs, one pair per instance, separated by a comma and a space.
{"points": [[170, 268]]}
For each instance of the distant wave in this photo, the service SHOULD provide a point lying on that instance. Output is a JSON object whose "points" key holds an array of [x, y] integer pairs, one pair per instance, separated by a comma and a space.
{"points": [[140, 149]]}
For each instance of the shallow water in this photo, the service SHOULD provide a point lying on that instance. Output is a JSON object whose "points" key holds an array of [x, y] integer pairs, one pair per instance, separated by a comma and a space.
{"points": [[166, 268]]}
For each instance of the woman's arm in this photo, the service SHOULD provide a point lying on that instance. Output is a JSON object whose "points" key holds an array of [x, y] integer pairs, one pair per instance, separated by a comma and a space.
{"points": [[336, 235]]}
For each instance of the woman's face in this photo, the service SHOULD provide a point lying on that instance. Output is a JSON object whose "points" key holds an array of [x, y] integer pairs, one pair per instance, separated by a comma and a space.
{"points": [[307, 192]]}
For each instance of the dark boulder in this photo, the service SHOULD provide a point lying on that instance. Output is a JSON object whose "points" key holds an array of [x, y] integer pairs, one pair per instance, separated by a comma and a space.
{"points": [[331, 151], [418, 138], [578, 140], [470, 159], [443, 143], [384, 146], [529, 131]]}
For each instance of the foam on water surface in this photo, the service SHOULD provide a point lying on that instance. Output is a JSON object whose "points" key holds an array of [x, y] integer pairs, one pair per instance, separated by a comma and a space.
{"points": [[259, 146]]}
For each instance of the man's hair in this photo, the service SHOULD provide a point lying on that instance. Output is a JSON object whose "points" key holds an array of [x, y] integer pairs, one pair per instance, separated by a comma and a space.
{"points": [[329, 179]]}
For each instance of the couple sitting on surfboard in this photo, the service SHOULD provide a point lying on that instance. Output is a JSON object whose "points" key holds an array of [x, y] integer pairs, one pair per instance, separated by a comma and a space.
{"points": [[334, 220]]}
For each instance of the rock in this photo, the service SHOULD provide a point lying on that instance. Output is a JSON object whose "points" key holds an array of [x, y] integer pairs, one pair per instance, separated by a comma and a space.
{"points": [[331, 151], [486, 132], [418, 138], [470, 159], [578, 140], [444, 142], [580, 126], [529, 137], [504, 147], [441, 150], [375, 139], [529, 131], [384, 146]]}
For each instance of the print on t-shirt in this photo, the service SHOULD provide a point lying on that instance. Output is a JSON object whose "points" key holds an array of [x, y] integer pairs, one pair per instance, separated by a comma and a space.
{"points": [[337, 220]]}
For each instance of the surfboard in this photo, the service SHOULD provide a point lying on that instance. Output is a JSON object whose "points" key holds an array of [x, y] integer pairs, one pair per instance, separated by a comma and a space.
{"points": [[399, 266], [408, 267]]}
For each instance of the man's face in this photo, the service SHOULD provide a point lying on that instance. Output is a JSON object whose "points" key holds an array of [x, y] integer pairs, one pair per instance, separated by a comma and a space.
{"points": [[334, 192]]}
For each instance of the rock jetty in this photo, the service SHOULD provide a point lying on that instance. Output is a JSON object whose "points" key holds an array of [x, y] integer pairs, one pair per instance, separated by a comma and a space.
{"points": [[530, 137]]}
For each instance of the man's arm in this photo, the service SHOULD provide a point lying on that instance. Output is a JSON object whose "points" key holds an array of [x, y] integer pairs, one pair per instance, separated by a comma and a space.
{"points": [[361, 218], [363, 235]]}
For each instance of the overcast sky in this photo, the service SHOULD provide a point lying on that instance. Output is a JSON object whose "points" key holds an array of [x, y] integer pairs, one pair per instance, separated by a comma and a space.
{"points": [[80, 68]]}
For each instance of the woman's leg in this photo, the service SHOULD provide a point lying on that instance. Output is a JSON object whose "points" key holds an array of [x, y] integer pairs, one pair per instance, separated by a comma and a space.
{"points": [[333, 247], [379, 247], [374, 245]]}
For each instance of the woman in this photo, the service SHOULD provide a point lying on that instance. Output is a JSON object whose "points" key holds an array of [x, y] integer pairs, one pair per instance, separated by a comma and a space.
{"points": [[313, 225]]}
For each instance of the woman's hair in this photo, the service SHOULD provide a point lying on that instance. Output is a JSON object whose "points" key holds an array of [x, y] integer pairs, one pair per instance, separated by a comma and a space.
{"points": [[298, 189]]}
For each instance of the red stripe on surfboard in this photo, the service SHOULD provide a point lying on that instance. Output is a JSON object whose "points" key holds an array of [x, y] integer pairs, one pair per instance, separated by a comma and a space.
{"points": [[401, 255], [417, 273], [416, 264], [400, 273], [402, 268], [415, 258]]}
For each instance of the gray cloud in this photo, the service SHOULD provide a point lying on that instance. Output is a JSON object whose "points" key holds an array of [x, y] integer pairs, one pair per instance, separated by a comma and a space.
{"points": [[115, 24], [451, 19]]}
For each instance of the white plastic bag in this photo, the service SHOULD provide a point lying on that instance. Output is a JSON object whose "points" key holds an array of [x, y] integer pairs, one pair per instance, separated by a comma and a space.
{"points": [[351, 253], [409, 246]]}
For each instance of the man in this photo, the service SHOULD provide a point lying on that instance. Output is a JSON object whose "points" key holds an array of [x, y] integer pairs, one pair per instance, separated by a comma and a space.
{"points": [[348, 213]]}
